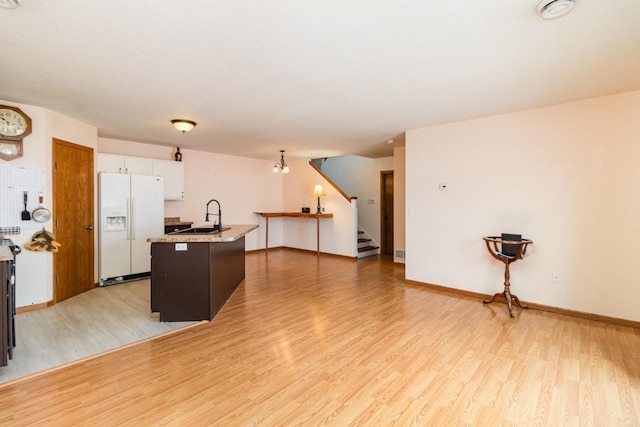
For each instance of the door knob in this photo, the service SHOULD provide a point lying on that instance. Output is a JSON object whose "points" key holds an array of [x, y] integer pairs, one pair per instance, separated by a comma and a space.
{"points": [[89, 227]]}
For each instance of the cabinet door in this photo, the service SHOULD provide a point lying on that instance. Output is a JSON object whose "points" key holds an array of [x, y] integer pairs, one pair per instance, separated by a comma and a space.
{"points": [[113, 163], [173, 174], [138, 166], [110, 163]]}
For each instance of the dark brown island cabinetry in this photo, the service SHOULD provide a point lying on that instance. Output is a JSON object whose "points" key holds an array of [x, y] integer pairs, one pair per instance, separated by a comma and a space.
{"points": [[193, 280]]}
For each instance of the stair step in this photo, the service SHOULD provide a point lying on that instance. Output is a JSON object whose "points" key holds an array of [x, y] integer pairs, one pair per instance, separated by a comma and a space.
{"points": [[362, 240], [368, 248]]}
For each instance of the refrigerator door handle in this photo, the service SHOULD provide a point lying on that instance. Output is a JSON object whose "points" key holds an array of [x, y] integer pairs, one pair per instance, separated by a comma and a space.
{"points": [[128, 226], [132, 219]]}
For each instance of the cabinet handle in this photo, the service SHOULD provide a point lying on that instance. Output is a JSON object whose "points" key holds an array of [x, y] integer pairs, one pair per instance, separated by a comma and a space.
{"points": [[89, 227]]}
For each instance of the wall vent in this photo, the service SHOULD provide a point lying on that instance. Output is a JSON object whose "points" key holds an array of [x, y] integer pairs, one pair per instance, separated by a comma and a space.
{"points": [[400, 254]]}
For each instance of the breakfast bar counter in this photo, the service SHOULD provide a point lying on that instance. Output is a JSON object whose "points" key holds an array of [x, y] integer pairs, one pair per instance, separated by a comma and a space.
{"points": [[317, 216], [230, 233], [194, 273]]}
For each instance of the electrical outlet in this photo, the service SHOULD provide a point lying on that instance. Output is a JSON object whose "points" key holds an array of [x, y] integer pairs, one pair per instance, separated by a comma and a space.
{"points": [[555, 277]]}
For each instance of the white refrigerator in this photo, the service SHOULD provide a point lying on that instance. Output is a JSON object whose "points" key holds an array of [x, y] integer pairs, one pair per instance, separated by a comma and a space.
{"points": [[131, 210]]}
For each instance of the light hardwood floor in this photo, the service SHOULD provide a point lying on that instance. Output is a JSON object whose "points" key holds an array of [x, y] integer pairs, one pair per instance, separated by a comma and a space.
{"points": [[342, 342], [87, 324]]}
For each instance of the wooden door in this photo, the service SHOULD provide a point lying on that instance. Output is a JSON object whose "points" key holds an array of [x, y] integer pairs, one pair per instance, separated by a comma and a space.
{"points": [[73, 181], [386, 212]]}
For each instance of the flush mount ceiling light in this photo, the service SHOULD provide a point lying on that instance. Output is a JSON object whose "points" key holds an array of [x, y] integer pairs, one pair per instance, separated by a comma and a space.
{"points": [[282, 165], [551, 9], [10, 4], [183, 125]]}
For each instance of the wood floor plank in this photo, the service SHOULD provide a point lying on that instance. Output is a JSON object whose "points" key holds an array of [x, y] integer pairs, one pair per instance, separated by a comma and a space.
{"points": [[87, 324], [341, 342]]}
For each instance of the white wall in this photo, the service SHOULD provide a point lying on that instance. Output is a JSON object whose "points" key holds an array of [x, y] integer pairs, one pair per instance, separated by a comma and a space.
{"points": [[244, 186], [399, 174], [34, 271], [359, 177], [241, 185], [565, 176], [337, 234]]}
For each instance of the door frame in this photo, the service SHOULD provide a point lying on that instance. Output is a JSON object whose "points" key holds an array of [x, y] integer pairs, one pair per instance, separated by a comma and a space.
{"points": [[383, 208], [56, 198]]}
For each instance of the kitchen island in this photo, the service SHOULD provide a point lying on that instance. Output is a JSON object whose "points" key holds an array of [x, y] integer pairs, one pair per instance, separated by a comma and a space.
{"points": [[194, 273]]}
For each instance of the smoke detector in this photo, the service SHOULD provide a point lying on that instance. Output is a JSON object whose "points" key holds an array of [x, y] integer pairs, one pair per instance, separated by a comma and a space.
{"points": [[551, 9], [10, 4]]}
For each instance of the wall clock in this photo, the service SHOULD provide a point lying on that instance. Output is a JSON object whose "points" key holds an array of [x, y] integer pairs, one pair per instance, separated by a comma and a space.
{"points": [[14, 126]]}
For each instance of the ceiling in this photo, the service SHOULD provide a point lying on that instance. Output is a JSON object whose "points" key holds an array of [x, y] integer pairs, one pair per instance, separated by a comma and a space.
{"points": [[317, 79]]}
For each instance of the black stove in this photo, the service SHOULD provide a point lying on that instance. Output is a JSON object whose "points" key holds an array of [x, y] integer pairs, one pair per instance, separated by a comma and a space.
{"points": [[12, 246], [11, 312]]}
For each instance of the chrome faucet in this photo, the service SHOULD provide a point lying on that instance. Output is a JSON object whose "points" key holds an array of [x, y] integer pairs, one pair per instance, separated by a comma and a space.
{"points": [[206, 217]]}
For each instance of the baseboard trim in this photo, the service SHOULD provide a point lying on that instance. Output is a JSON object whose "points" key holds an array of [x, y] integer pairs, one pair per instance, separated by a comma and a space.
{"points": [[287, 248], [34, 307], [540, 307]]}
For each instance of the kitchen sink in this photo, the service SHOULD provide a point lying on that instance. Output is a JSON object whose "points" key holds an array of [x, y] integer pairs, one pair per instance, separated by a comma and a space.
{"points": [[199, 230]]}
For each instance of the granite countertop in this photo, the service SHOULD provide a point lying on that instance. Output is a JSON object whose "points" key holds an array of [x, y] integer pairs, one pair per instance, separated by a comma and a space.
{"points": [[233, 233], [7, 255]]}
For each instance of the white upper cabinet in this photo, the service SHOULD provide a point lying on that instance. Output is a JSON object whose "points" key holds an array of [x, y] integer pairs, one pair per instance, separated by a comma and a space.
{"points": [[113, 163], [110, 163], [138, 166], [173, 174]]}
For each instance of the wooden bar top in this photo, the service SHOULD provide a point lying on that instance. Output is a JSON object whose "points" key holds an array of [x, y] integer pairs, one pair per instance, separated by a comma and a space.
{"points": [[175, 220], [294, 214], [317, 217]]}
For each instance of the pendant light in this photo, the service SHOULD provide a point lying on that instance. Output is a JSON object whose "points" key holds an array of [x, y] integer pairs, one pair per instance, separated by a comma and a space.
{"points": [[282, 165]]}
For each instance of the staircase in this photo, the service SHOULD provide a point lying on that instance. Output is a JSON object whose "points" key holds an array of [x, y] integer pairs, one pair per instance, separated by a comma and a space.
{"points": [[365, 248]]}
